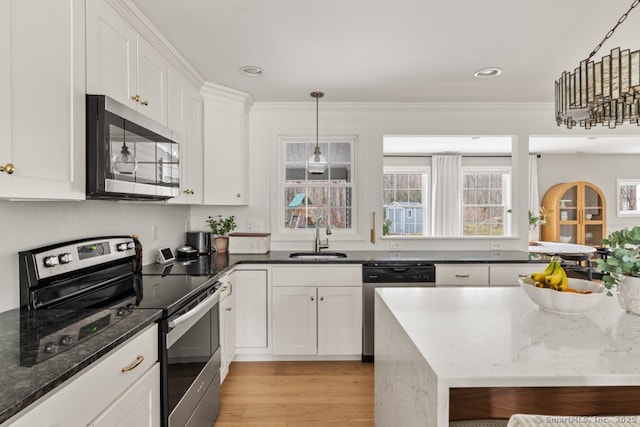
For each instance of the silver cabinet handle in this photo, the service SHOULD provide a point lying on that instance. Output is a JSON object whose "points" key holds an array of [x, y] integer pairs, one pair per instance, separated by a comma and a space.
{"points": [[462, 275], [135, 364], [228, 309]]}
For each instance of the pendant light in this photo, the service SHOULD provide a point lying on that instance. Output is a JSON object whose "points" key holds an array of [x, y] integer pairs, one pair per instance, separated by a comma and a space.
{"points": [[125, 162], [317, 163]]}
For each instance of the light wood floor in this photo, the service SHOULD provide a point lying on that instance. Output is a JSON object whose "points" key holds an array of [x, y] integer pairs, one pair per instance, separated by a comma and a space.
{"points": [[279, 394]]}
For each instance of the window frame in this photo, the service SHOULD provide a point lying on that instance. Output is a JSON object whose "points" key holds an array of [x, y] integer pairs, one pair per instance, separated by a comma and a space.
{"points": [[302, 233], [425, 171], [506, 196]]}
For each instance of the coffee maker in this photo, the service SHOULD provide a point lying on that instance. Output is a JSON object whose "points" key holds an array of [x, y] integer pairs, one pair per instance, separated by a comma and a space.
{"points": [[200, 241]]}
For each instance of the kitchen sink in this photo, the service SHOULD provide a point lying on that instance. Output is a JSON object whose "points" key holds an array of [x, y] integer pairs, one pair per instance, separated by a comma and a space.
{"points": [[314, 255]]}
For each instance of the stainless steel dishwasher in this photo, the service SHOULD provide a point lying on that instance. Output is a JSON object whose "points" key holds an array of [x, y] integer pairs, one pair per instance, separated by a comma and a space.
{"points": [[388, 275]]}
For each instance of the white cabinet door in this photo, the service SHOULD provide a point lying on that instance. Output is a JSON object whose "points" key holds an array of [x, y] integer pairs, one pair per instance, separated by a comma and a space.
{"points": [[185, 117], [112, 49], [508, 274], [226, 150], [294, 320], [5, 92], [340, 320], [251, 308], [123, 65], [138, 406], [227, 323], [462, 275], [152, 82], [42, 111]]}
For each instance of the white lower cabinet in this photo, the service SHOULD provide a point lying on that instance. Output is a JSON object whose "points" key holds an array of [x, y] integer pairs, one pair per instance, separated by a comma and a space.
{"points": [[505, 274], [317, 310], [251, 309], [138, 406], [227, 323], [508, 274], [123, 388], [462, 275]]}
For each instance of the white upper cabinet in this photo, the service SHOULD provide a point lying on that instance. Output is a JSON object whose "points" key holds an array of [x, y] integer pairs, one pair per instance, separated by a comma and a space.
{"points": [[185, 117], [226, 145], [42, 99], [123, 65]]}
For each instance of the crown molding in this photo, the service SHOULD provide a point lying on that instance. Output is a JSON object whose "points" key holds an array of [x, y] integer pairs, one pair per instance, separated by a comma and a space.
{"points": [[224, 92], [134, 16]]}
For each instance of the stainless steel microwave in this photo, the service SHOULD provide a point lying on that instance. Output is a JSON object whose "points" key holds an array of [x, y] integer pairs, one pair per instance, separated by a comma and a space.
{"points": [[129, 156]]}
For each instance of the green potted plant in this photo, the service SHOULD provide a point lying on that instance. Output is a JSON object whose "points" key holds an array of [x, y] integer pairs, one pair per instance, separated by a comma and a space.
{"points": [[622, 267], [220, 228]]}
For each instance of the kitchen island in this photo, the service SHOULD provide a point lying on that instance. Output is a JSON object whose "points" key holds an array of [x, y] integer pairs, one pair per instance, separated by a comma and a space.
{"points": [[433, 342]]}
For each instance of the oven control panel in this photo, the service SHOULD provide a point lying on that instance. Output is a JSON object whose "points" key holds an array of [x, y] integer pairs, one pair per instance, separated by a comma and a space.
{"points": [[55, 260]]}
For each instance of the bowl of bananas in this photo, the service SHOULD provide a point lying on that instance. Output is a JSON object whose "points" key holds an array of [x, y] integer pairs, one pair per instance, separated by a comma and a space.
{"points": [[553, 291]]}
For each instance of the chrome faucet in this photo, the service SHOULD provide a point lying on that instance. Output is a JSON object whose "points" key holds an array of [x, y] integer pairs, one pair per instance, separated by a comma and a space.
{"points": [[322, 244]]}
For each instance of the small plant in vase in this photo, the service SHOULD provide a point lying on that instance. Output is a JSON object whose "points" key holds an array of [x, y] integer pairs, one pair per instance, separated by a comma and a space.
{"points": [[536, 220], [220, 228], [622, 266]]}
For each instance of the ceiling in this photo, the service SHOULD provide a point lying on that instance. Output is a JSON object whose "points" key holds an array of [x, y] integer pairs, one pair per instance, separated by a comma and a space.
{"points": [[399, 50]]}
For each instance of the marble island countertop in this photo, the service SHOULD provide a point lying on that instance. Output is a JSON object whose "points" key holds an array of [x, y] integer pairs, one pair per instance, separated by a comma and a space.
{"points": [[491, 337]]}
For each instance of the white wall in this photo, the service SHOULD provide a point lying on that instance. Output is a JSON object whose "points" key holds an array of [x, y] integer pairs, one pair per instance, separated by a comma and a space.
{"points": [[28, 225], [371, 121]]}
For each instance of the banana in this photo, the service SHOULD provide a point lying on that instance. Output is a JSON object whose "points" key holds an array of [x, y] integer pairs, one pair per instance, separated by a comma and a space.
{"points": [[551, 267], [564, 282]]}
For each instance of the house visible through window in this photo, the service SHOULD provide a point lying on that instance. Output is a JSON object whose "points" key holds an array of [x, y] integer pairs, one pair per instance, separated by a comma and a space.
{"points": [[309, 197], [405, 201]]}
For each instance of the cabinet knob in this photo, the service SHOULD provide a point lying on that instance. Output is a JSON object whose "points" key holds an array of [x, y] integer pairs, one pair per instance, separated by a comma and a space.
{"points": [[313, 298], [321, 298], [144, 102], [136, 98], [237, 194], [228, 309], [8, 169], [188, 191]]}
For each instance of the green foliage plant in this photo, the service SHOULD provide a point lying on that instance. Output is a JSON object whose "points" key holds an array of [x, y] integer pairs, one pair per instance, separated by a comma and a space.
{"points": [[221, 226], [623, 260]]}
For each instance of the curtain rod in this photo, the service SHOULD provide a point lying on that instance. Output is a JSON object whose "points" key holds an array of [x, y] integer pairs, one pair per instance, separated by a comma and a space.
{"points": [[463, 155]]}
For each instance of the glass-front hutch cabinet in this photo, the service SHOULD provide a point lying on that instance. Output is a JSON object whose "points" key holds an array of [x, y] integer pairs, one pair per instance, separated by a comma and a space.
{"points": [[578, 214]]}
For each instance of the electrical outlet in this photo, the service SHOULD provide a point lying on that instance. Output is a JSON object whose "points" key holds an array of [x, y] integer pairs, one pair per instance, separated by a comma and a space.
{"points": [[255, 225], [155, 232], [496, 246], [394, 245]]}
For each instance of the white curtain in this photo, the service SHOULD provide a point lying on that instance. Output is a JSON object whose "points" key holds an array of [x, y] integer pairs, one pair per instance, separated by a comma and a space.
{"points": [[446, 195], [534, 196]]}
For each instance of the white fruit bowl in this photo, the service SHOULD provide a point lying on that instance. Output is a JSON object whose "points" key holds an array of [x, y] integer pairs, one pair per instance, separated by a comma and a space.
{"points": [[565, 302]]}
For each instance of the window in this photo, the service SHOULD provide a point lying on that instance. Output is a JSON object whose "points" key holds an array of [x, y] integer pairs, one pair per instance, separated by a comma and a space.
{"points": [[405, 201], [308, 197], [484, 203]]}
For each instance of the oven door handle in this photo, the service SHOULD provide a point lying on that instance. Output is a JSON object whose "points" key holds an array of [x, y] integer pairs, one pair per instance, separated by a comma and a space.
{"points": [[201, 308]]}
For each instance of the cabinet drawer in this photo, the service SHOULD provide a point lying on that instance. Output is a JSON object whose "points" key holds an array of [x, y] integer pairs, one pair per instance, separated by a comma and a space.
{"points": [[317, 275], [462, 275], [508, 274]]}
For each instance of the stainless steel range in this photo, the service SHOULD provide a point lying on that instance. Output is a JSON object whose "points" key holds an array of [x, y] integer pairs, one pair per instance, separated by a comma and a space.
{"points": [[83, 277]]}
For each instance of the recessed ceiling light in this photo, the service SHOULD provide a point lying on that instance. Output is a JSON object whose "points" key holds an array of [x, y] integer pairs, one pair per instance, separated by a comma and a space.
{"points": [[252, 71], [487, 73]]}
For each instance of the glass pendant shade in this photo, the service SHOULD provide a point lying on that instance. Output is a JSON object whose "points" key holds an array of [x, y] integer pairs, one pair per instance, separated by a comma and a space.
{"points": [[317, 163], [125, 162]]}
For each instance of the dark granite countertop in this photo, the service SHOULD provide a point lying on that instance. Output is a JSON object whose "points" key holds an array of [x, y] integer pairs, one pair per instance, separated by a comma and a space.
{"points": [[25, 379], [217, 264]]}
